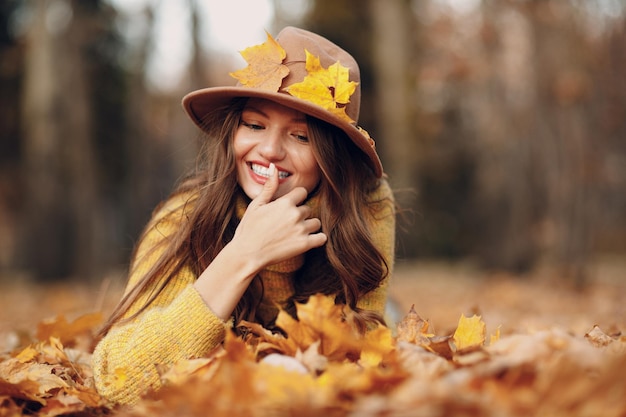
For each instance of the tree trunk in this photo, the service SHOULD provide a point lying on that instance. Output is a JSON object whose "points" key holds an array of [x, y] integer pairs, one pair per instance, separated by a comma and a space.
{"points": [[62, 209], [562, 85], [392, 43], [45, 219]]}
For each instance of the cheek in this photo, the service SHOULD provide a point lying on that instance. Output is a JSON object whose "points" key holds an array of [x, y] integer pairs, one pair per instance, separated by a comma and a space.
{"points": [[311, 171], [239, 147]]}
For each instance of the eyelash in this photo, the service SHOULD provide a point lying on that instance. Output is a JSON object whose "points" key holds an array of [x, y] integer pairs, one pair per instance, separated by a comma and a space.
{"points": [[253, 126], [301, 138]]}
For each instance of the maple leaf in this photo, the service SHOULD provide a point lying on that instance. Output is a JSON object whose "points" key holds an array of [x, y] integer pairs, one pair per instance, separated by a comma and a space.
{"points": [[329, 88], [57, 378], [312, 359], [494, 337], [68, 332], [30, 381], [321, 319], [265, 70], [348, 380], [281, 385], [413, 328], [598, 338], [470, 333], [180, 371], [377, 345]]}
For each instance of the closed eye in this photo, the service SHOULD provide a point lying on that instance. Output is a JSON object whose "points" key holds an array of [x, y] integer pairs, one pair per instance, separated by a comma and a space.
{"points": [[300, 137], [252, 126]]}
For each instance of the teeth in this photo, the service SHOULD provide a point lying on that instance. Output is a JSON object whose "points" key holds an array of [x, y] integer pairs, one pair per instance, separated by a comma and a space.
{"points": [[265, 171]]}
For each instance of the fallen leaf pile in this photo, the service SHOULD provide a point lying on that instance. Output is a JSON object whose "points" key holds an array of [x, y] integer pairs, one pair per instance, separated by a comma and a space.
{"points": [[53, 376], [320, 365]]}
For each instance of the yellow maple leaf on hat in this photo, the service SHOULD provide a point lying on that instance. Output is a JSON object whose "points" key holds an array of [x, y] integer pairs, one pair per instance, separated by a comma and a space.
{"points": [[329, 87], [265, 68]]}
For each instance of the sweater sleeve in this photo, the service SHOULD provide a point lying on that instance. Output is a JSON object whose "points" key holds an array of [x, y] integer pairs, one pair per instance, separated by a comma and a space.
{"points": [[382, 225], [177, 324]]}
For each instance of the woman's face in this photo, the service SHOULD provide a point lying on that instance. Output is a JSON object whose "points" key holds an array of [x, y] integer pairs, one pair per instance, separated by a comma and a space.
{"points": [[270, 132]]}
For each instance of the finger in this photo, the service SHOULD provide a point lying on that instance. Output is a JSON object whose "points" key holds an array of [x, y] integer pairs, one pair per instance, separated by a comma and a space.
{"points": [[305, 211], [312, 225], [296, 196], [269, 188], [317, 239]]}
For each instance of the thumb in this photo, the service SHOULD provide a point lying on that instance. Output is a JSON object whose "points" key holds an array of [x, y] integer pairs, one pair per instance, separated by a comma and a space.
{"points": [[269, 188]]}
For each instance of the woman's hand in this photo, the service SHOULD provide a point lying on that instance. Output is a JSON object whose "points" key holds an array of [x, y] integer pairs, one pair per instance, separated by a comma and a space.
{"points": [[272, 231], [269, 232]]}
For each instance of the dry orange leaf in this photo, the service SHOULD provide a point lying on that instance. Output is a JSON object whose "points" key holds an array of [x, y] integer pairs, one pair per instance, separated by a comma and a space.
{"points": [[598, 338], [31, 381], [494, 337], [470, 333], [413, 328], [65, 331], [320, 319], [312, 360], [47, 373], [265, 69], [549, 373], [377, 344], [27, 354], [329, 88]]}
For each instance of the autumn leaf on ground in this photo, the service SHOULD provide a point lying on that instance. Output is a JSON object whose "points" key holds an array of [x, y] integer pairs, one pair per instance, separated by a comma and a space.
{"points": [[329, 323], [29, 381], [69, 333], [329, 88], [179, 372], [413, 328], [598, 338], [319, 320], [494, 337], [470, 333], [265, 70], [377, 345], [59, 380], [312, 360], [235, 384], [550, 373]]}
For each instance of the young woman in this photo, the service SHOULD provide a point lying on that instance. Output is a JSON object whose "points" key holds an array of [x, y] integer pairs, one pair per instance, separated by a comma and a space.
{"points": [[288, 200]]}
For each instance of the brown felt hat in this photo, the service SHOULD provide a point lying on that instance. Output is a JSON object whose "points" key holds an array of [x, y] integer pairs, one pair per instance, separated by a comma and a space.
{"points": [[295, 42]]}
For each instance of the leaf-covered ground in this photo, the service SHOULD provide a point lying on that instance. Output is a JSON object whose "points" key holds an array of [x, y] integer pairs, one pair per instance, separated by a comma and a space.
{"points": [[467, 343]]}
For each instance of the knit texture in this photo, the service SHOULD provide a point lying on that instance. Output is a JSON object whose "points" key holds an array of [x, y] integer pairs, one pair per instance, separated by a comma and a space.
{"points": [[179, 325]]}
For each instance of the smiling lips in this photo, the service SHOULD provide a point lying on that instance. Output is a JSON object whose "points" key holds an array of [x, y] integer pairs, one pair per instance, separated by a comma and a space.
{"points": [[264, 171]]}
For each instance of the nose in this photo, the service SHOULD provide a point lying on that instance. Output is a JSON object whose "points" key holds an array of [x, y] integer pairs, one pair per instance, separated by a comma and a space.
{"points": [[271, 146]]}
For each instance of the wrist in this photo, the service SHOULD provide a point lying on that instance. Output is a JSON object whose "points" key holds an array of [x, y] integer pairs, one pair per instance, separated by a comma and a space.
{"points": [[224, 281]]}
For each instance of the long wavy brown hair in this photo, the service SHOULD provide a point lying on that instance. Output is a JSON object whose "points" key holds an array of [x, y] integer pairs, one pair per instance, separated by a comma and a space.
{"points": [[347, 266]]}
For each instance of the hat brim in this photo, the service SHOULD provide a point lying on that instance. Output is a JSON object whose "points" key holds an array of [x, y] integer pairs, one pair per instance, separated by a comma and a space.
{"points": [[199, 103]]}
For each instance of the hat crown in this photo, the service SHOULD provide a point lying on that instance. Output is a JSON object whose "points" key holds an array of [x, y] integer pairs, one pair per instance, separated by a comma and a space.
{"points": [[296, 42], [300, 70]]}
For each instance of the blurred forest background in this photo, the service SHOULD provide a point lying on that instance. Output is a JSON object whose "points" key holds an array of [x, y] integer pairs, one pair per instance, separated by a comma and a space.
{"points": [[501, 124]]}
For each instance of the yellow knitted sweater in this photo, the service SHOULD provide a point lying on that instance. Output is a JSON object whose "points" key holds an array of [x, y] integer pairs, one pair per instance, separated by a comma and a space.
{"points": [[179, 325]]}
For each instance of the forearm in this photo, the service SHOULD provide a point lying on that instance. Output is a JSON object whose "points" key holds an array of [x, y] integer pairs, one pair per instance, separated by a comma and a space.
{"points": [[224, 281]]}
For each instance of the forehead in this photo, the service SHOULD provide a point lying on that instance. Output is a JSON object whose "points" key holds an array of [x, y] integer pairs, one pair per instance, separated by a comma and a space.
{"points": [[270, 108]]}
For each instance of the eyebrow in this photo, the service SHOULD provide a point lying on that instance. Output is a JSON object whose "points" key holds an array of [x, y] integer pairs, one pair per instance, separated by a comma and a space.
{"points": [[262, 113]]}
